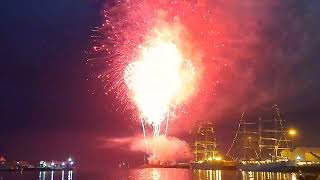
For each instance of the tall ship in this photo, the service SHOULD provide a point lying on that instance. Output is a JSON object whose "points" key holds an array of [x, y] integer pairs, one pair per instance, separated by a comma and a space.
{"points": [[262, 145], [204, 147]]}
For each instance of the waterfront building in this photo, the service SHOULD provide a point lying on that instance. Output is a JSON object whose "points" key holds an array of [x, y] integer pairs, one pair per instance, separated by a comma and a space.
{"points": [[303, 154]]}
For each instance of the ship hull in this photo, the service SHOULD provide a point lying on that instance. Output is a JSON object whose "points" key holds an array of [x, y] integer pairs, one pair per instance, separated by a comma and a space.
{"points": [[213, 166], [268, 167]]}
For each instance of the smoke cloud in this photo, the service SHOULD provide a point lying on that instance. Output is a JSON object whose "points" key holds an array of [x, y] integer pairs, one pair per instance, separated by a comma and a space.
{"points": [[162, 150], [265, 44]]}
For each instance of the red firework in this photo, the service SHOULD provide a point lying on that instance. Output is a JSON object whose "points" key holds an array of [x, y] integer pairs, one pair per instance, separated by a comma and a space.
{"points": [[130, 26]]}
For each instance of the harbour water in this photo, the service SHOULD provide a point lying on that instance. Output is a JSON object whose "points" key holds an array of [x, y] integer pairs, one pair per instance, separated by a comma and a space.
{"points": [[154, 174]]}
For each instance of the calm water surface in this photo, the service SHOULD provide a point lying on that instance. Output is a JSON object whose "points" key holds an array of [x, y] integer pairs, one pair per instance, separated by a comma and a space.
{"points": [[154, 174]]}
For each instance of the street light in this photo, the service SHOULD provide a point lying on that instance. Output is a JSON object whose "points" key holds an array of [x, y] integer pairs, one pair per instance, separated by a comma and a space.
{"points": [[292, 132]]}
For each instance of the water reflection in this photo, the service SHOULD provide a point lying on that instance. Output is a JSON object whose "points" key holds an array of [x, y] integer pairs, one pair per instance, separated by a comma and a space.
{"points": [[157, 174], [180, 174], [207, 174], [55, 175], [42, 175], [187, 174], [70, 173], [160, 174], [267, 175], [52, 175]]}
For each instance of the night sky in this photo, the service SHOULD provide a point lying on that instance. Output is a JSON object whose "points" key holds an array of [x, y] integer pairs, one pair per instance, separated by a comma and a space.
{"points": [[50, 110]]}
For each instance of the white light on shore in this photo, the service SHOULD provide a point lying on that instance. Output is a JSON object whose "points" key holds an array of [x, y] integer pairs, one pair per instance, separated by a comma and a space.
{"points": [[298, 158]]}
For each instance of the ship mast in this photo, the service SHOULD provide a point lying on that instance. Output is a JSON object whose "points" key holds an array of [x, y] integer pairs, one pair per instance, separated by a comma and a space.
{"points": [[273, 135], [261, 140], [249, 140], [205, 146], [244, 143]]}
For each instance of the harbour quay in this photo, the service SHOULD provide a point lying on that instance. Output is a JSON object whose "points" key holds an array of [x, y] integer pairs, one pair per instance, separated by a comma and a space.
{"points": [[53, 165]]}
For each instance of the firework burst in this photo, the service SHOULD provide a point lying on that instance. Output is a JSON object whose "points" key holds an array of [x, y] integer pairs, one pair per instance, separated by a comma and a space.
{"points": [[158, 81], [156, 54]]}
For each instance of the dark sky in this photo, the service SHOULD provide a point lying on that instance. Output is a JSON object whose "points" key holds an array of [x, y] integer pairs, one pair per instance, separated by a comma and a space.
{"points": [[46, 109], [49, 110]]}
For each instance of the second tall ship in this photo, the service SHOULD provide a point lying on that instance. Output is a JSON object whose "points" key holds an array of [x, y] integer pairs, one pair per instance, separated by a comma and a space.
{"points": [[263, 145]]}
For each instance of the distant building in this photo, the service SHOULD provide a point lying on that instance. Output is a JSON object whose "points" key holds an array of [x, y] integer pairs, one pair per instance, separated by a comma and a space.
{"points": [[305, 154], [24, 164], [57, 164]]}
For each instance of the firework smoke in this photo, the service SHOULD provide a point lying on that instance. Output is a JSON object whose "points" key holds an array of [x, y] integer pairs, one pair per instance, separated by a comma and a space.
{"points": [[179, 150]]}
